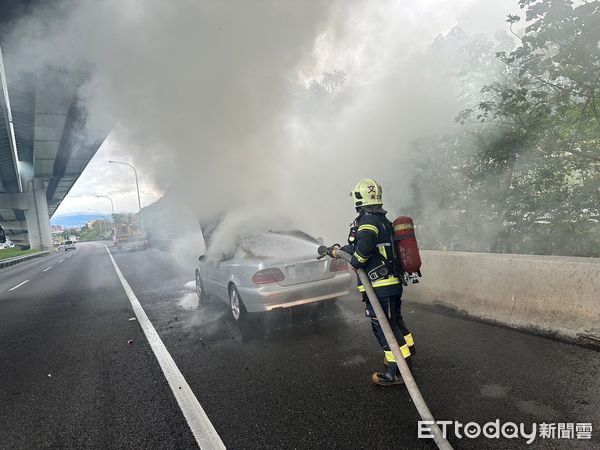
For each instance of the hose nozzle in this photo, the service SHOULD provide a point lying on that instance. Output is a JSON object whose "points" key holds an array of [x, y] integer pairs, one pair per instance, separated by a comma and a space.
{"points": [[322, 251]]}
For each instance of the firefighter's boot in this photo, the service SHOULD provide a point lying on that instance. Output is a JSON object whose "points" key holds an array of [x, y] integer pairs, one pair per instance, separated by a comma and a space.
{"points": [[391, 377]]}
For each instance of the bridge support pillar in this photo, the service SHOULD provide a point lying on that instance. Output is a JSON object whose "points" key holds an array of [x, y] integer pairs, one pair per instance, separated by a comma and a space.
{"points": [[36, 215]]}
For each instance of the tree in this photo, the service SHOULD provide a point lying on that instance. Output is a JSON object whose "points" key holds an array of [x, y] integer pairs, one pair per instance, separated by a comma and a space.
{"points": [[540, 132]]}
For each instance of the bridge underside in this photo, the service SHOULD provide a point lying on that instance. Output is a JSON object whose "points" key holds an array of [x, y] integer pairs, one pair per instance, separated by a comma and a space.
{"points": [[44, 146]]}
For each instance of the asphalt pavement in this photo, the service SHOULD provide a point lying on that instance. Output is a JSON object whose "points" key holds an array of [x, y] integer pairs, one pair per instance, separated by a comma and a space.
{"points": [[291, 379], [69, 378]]}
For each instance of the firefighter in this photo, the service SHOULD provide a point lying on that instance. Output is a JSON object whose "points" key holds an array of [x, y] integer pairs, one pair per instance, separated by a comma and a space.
{"points": [[371, 245]]}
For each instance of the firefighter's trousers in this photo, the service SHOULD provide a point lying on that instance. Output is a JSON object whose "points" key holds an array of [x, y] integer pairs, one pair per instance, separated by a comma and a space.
{"points": [[391, 306]]}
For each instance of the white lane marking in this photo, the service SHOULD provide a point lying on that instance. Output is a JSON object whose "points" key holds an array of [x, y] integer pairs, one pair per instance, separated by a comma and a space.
{"points": [[62, 260], [203, 430], [47, 269], [18, 285]]}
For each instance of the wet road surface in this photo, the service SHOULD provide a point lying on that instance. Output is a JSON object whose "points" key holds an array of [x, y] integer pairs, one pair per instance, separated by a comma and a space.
{"points": [[295, 378]]}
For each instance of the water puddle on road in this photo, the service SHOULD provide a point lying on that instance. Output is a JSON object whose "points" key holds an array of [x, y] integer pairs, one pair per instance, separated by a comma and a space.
{"points": [[188, 301], [207, 318]]}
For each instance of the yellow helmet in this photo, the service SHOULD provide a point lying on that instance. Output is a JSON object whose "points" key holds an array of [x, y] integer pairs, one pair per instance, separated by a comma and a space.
{"points": [[367, 192]]}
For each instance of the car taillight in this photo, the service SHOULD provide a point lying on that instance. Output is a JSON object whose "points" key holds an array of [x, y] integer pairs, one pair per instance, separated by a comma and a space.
{"points": [[267, 276], [337, 265]]}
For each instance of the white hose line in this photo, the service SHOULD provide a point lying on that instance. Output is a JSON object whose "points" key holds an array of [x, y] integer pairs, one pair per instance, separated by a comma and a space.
{"points": [[409, 381]]}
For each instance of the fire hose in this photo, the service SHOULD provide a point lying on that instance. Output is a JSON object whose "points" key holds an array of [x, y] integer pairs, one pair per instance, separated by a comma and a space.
{"points": [[405, 372]]}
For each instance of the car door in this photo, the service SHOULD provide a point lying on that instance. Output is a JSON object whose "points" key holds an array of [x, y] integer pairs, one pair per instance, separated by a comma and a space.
{"points": [[219, 276], [209, 276], [229, 271]]}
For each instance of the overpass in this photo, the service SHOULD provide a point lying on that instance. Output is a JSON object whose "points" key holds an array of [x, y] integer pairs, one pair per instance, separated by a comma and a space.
{"points": [[44, 146]]}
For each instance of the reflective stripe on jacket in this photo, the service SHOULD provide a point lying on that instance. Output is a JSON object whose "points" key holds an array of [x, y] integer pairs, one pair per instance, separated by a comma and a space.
{"points": [[372, 251]]}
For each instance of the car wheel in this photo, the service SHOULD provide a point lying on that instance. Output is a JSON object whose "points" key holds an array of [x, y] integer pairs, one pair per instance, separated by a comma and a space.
{"points": [[200, 292], [236, 305]]}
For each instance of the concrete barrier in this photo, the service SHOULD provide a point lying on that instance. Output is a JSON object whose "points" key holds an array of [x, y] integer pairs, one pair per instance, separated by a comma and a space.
{"points": [[19, 259], [558, 296]]}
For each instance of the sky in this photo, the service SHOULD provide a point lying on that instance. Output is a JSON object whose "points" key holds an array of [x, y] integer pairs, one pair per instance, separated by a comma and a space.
{"points": [[361, 38], [114, 180]]}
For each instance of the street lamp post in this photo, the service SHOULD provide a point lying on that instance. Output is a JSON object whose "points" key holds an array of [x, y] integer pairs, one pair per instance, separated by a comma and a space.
{"points": [[112, 207], [137, 186]]}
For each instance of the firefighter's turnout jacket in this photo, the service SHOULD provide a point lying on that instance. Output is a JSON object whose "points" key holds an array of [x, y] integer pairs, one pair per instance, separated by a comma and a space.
{"points": [[371, 245]]}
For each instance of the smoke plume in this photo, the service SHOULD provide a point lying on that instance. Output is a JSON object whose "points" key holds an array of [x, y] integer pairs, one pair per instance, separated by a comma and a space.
{"points": [[267, 111]]}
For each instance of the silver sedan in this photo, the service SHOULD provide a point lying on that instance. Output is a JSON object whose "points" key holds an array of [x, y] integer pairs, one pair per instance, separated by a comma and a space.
{"points": [[272, 270]]}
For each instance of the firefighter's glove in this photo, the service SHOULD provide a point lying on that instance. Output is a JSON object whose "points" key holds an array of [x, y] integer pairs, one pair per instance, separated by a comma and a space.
{"points": [[331, 251], [356, 264]]}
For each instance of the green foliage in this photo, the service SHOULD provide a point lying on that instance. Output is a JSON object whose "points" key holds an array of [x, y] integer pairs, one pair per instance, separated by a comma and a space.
{"points": [[523, 175], [91, 234], [552, 86], [121, 218], [125, 218], [12, 252]]}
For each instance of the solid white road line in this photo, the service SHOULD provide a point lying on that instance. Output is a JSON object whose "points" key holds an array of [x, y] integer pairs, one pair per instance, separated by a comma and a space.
{"points": [[18, 285], [47, 269], [203, 430]]}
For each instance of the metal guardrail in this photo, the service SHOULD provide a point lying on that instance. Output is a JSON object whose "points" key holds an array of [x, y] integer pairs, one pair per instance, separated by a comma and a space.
{"points": [[19, 259]]}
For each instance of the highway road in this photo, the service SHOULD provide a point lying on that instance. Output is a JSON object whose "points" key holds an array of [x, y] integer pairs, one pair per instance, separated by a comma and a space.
{"points": [[77, 372]]}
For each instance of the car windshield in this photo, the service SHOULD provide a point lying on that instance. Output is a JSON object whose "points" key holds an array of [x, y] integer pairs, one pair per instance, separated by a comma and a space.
{"points": [[68, 242], [278, 245]]}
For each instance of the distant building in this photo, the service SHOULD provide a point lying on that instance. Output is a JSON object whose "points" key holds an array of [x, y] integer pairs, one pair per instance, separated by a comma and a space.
{"points": [[57, 229]]}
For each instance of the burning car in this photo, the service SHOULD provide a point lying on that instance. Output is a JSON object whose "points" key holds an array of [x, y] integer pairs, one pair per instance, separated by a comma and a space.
{"points": [[272, 270]]}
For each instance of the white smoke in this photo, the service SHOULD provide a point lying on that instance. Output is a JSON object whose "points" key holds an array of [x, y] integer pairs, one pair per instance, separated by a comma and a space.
{"points": [[212, 98]]}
